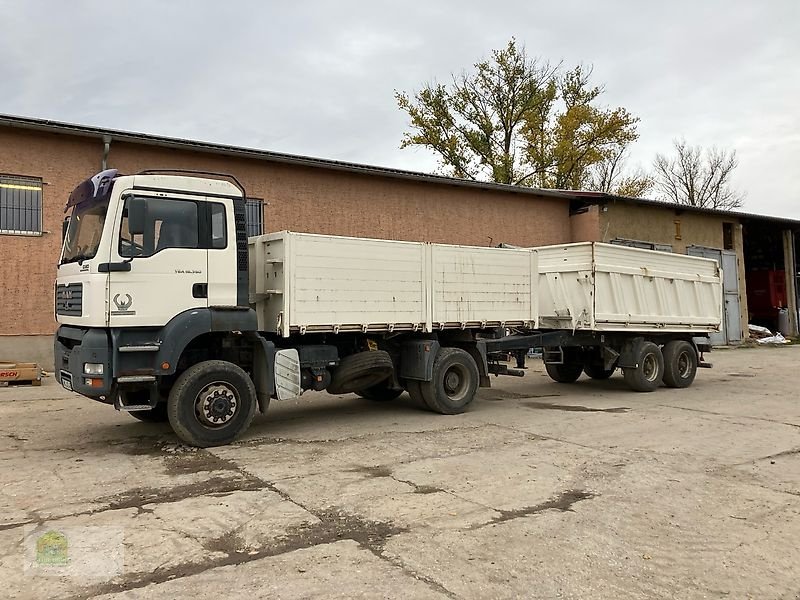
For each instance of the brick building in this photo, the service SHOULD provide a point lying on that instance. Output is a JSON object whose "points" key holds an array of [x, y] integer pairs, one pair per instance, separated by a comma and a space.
{"points": [[42, 161]]}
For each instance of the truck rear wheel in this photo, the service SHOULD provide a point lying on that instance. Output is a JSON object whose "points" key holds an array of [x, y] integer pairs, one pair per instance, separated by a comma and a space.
{"points": [[211, 403], [415, 391], [647, 375], [680, 364], [454, 383], [564, 373], [596, 371], [383, 392]]}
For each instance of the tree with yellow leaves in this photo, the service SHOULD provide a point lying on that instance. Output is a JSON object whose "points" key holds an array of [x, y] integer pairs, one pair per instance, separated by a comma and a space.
{"points": [[522, 121]]}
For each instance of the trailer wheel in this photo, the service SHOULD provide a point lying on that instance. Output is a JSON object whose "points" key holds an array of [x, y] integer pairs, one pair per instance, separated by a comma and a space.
{"points": [[564, 373], [597, 371], [383, 392], [211, 403], [454, 382], [680, 364], [154, 415], [647, 375]]}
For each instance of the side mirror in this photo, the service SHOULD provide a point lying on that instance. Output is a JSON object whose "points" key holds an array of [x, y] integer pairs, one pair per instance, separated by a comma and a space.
{"points": [[64, 227], [137, 214]]}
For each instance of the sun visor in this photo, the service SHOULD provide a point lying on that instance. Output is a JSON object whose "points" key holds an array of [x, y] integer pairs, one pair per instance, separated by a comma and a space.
{"points": [[97, 188]]}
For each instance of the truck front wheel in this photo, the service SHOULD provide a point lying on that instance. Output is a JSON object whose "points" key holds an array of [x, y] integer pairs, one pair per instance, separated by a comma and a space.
{"points": [[154, 415], [454, 383], [211, 403]]}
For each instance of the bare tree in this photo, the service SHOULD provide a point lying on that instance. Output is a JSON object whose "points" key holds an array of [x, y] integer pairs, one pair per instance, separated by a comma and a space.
{"points": [[697, 177], [612, 176]]}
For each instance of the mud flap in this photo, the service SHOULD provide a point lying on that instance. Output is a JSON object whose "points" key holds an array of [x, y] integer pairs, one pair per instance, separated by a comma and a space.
{"points": [[287, 374]]}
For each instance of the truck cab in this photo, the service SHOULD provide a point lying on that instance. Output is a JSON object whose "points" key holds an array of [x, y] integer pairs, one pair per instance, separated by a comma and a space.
{"points": [[150, 263]]}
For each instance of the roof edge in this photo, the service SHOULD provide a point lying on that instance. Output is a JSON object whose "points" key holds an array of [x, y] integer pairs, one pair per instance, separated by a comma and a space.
{"points": [[51, 126]]}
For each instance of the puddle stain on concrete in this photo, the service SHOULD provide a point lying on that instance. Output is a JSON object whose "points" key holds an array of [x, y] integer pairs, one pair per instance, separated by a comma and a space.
{"points": [[562, 503], [574, 408], [230, 549]]}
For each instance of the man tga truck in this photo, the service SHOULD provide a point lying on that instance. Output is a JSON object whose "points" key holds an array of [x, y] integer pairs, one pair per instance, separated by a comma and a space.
{"points": [[166, 310]]}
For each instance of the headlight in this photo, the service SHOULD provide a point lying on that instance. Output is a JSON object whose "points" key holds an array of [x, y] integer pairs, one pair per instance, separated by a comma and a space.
{"points": [[93, 368]]}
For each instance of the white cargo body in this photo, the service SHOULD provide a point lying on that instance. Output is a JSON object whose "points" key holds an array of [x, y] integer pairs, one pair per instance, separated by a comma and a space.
{"points": [[605, 287], [304, 283]]}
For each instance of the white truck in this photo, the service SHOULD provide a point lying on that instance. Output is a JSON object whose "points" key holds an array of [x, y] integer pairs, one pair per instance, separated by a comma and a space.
{"points": [[168, 311]]}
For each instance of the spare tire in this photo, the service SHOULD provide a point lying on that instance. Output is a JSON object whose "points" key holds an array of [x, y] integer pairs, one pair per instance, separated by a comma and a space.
{"points": [[361, 371]]}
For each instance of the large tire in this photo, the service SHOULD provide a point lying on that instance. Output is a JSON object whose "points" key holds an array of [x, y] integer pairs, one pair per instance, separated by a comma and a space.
{"points": [[414, 389], [680, 364], [383, 392], [647, 376], [361, 371], [154, 415], [454, 383], [564, 373], [596, 371], [211, 404]]}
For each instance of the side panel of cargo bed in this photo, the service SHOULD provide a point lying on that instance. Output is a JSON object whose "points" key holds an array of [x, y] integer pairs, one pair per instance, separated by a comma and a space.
{"points": [[604, 287], [482, 287], [334, 284], [566, 290], [643, 289]]}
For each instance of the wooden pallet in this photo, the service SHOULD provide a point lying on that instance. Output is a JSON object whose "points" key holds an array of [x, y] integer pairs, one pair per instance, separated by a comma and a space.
{"points": [[16, 373]]}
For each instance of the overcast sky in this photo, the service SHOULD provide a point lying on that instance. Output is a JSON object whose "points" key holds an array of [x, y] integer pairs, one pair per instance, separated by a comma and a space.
{"points": [[317, 77]]}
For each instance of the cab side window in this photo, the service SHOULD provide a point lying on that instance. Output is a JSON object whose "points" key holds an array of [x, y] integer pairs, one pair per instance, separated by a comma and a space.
{"points": [[219, 235], [169, 224]]}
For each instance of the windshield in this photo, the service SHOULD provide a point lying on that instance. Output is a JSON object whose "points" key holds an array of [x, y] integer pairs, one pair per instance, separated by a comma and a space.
{"points": [[84, 231]]}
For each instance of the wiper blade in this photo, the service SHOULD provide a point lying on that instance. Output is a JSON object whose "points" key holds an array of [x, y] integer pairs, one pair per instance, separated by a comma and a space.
{"points": [[79, 258]]}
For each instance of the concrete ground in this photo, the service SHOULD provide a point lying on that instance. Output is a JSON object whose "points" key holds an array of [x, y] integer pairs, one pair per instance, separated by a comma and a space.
{"points": [[540, 491]]}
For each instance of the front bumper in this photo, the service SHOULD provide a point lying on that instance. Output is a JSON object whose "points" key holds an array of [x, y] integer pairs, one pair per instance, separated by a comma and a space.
{"points": [[74, 346]]}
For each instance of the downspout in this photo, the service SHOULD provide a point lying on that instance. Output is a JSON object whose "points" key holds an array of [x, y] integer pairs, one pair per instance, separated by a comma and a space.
{"points": [[106, 150], [790, 267]]}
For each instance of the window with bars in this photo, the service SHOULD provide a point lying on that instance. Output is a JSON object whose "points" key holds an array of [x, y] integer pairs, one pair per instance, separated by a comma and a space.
{"points": [[20, 205], [254, 213]]}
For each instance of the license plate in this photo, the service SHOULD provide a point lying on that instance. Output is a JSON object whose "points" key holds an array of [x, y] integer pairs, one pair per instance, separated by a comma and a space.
{"points": [[66, 382]]}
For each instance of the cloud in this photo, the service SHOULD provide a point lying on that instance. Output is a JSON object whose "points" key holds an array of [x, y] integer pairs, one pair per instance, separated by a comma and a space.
{"points": [[318, 78]]}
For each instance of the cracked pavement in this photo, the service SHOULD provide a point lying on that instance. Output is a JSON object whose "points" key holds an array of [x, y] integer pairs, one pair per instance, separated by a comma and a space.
{"points": [[540, 491]]}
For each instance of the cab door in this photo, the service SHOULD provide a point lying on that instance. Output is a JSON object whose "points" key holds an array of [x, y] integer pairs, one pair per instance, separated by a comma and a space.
{"points": [[162, 271]]}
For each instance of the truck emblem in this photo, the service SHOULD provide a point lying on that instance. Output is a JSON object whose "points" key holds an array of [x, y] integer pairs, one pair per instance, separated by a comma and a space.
{"points": [[123, 305]]}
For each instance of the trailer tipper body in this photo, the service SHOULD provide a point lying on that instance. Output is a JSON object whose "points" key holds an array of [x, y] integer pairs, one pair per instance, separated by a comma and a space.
{"points": [[169, 312]]}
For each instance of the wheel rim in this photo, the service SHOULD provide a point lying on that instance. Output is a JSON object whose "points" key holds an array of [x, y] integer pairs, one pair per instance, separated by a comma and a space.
{"points": [[216, 405], [650, 367], [684, 365], [456, 382]]}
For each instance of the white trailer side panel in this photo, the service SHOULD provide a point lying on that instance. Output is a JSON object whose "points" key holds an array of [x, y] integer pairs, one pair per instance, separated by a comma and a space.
{"points": [[317, 283], [490, 287], [332, 283], [605, 287]]}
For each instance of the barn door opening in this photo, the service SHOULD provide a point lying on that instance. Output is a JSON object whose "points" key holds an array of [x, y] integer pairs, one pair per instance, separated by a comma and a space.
{"points": [[731, 323]]}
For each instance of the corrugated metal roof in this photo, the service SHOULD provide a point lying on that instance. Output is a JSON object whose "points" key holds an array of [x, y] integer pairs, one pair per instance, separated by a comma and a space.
{"points": [[603, 197], [308, 161], [294, 159]]}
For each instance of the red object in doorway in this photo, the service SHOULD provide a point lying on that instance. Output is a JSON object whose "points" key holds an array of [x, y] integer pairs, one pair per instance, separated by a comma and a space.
{"points": [[766, 293]]}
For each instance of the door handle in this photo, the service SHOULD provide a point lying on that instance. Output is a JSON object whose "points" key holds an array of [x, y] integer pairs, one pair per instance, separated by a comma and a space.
{"points": [[200, 290], [114, 267]]}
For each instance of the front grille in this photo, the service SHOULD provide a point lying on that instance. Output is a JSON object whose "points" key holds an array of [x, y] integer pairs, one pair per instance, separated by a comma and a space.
{"points": [[69, 299]]}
